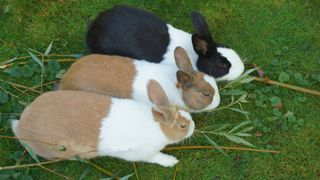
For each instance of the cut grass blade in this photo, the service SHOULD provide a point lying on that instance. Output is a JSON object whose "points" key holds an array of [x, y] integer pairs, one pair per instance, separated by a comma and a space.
{"points": [[215, 144], [244, 123], [31, 152], [36, 59], [48, 49], [238, 140], [239, 111]]}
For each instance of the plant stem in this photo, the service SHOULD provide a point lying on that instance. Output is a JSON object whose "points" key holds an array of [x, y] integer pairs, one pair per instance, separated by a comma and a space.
{"points": [[21, 86], [209, 132], [101, 169], [135, 171], [9, 92], [30, 165], [54, 172], [175, 172], [288, 86], [221, 147]]}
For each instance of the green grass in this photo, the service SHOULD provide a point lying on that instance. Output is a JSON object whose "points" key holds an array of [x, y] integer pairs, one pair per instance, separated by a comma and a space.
{"points": [[281, 37]]}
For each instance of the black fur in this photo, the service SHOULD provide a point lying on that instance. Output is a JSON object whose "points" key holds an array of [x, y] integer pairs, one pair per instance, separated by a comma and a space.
{"points": [[130, 32], [210, 61]]}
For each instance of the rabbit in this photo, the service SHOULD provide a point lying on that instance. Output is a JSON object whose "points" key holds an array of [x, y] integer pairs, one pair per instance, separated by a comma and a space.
{"points": [[138, 34], [125, 78], [89, 125]]}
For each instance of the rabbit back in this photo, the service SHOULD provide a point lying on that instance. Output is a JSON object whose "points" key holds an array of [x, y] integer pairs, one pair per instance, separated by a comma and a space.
{"points": [[62, 124], [130, 32]]}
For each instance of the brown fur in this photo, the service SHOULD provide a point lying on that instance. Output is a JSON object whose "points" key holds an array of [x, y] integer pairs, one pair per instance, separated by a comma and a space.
{"points": [[177, 129], [173, 125], [201, 45], [110, 75], [196, 92], [69, 119]]}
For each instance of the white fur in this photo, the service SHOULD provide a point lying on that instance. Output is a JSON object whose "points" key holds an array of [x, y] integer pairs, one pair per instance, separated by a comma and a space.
{"points": [[129, 132], [237, 66], [183, 39], [14, 125], [166, 76]]}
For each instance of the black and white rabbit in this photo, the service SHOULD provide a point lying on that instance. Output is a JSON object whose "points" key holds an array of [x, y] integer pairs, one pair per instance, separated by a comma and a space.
{"points": [[138, 34]]}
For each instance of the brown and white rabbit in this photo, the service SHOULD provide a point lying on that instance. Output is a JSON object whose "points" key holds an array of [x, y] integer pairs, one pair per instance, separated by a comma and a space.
{"points": [[89, 125], [123, 77]]}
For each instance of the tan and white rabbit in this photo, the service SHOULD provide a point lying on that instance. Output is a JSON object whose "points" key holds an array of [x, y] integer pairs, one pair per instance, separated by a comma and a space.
{"points": [[89, 125], [124, 77]]}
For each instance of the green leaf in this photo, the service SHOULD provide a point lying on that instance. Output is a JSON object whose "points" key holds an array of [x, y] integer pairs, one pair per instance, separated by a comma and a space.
{"points": [[244, 123], [53, 66], [126, 177], [31, 152], [291, 118], [27, 71], [246, 129], [243, 134], [302, 99], [248, 72], [215, 145], [266, 129], [283, 77], [212, 127], [246, 80], [300, 122], [85, 172], [238, 140], [15, 71], [299, 79], [17, 155], [239, 111], [48, 49], [36, 59], [243, 98], [26, 177], [6, 9], [276, 112], [234, 92], [222, 127], [59, 75], [275, 101], [3, 97]]}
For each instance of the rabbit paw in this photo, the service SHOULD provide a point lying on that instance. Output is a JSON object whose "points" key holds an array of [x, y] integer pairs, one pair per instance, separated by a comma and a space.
{"points": [[164, 159]]}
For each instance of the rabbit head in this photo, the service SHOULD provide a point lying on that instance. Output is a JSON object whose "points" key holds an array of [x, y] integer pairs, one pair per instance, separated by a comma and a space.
{"points": [[176, 123], [221, 62], [199, 91]]}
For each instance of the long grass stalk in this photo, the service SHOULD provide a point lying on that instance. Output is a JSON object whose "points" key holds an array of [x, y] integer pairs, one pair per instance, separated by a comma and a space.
{"points": [[288, 86], [30, 165], [221, 147]]}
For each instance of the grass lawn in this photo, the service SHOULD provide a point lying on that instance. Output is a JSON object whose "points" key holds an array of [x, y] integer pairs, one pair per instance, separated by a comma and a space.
{"points": [[281, 37]]}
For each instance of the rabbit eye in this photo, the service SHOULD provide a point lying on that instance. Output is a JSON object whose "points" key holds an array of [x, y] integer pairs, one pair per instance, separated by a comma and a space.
{"points": [[222, 65], [182, 126], [205, 94]]}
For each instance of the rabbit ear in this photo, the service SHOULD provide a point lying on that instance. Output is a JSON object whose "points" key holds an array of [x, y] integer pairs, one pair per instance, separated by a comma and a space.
{"points": [[182, 59], [156, 94], [159, 98], [200, 25], [200, 45], [184, 78]]}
